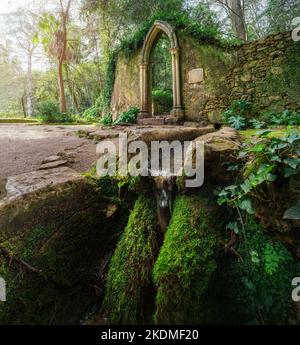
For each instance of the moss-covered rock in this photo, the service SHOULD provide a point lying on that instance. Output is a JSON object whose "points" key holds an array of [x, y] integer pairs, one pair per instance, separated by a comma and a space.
{"points": [[68, 253], [129, 291], [186, 262]]}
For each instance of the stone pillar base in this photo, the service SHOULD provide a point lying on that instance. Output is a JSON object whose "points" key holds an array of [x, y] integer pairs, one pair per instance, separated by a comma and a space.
{"points": [[143, 115], [177, 112]]}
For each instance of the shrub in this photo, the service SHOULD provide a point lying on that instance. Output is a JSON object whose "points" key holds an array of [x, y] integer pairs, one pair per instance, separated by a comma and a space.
{"points": [[106, 120], [259, 282], [286, 118], [163, 100], [236, 115], [128, 116], [91, 113], [49, 112]]}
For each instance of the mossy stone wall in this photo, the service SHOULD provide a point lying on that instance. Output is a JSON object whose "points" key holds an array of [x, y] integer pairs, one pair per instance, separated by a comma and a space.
{"points": [[127, 84], [198, 99], [265, 72]]}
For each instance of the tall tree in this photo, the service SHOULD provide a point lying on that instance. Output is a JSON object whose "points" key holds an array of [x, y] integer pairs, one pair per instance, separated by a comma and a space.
{"points": [[25, 32], [236, 13], [60, 44]]}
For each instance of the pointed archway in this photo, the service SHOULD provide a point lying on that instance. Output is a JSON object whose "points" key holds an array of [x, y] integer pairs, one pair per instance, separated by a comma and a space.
{"points": [[145, 74]]}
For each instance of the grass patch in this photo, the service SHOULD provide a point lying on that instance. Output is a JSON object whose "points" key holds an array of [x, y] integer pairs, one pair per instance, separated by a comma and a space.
{"points": [[16, 120]]}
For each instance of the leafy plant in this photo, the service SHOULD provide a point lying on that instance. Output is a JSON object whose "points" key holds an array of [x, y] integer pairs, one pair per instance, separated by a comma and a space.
{"points": [[265, 161], [163, 99], [106, 120], [259, 281], [128, 116], [237, 122], [236, 114], [49, 112], [256, 124], [286, 118]]}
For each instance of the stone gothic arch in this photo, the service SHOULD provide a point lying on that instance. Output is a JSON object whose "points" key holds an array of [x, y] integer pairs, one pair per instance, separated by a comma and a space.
{"points": [[145, 86]]}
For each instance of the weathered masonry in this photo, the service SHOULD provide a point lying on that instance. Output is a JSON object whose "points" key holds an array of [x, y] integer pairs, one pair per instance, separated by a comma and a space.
{"points": [[208, 76]]}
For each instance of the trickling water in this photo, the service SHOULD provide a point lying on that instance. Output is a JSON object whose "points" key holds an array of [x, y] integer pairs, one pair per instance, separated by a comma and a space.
{"points": [[164, 190]]}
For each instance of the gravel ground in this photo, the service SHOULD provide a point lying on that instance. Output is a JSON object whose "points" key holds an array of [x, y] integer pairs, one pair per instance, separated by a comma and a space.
{"points": [[23, 147]]}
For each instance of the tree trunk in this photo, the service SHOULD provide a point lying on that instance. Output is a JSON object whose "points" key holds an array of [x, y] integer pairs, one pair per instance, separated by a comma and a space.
{"points": [[71, 89], [23, 106], [61, 88], [62, 57], [237, 17], [29, 85]]}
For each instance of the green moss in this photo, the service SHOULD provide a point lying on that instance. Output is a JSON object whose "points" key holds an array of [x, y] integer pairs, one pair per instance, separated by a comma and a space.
{"points": [[259, 285], [128, 288], [287, 82], [248, 134], [186, 262], [67, 253]]}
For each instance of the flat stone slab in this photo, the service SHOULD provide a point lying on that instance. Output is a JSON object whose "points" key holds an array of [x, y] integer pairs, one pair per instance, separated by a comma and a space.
{"points": [[152, 121], [54, 164], [51, 159], [26, 183]]}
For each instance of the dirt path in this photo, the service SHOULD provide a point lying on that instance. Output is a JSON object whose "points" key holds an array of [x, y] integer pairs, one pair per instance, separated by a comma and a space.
{"points": [[23, 147]]}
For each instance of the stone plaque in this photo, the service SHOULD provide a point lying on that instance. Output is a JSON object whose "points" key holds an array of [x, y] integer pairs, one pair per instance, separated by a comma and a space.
{"points": [[196, 76]]}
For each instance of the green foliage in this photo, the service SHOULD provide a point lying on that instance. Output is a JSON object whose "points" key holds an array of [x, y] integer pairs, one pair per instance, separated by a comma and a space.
{"points": [[105, 98], [256, 124], [128, 116], [48, 109], [163, 100], [186, 262], [286, 118], [180, 21], [128, 287], [259, 289], [235, 116], [280, 14], [49, 112], [92, 113], [237, 122], [238, 117], [106, 120], [102, 104], [293, 212], [264, 161]]}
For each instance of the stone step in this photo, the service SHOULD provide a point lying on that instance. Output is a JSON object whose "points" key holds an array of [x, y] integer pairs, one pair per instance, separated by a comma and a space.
{"points": [[152, 121]]}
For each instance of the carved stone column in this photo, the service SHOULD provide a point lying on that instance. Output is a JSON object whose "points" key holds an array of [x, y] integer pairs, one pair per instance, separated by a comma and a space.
{"points": [[177, 104], [144, 91]]}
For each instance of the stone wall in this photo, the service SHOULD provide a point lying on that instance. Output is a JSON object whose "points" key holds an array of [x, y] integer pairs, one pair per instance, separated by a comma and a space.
{"points": [[127, 84], [265, 72], [200, 97]]}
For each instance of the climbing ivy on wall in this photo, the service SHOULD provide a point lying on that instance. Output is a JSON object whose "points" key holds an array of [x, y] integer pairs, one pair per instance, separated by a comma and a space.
{"points": [[180, 21]]}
